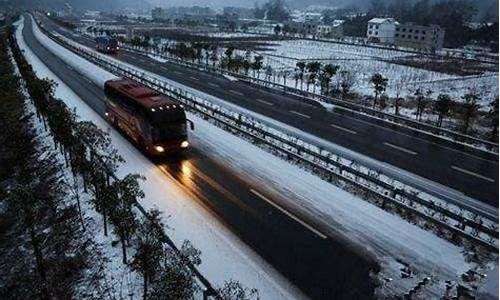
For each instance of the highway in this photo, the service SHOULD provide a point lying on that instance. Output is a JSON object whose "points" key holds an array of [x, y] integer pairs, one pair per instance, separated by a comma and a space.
{"points": [[321, 266], [437, 169]]}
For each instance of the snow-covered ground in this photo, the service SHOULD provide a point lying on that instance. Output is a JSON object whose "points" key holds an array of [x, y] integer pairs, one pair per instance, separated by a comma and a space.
{"points": [[224, 256], [386, 235], [365, 61], [231, 34]]}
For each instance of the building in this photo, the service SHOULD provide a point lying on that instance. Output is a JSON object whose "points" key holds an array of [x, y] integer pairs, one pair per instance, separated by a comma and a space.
{"points": [[419, 37], [158, 14], [381, 30], [408, 35], [302, 28], [192, 13], [241, 12], [335, 30]]}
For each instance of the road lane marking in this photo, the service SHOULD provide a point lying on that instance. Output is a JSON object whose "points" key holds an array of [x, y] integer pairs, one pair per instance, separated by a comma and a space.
{"points": [[415, 137], [401, 149], [213, 84], [179, 73], [194, 78], [321, 235], [300, 114], [264, 101], [472, 174], [236, 92], [343, 128]]}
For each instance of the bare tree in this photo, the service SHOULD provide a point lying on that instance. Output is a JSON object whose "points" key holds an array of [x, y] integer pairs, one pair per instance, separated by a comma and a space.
{"points": [[347, 80]]}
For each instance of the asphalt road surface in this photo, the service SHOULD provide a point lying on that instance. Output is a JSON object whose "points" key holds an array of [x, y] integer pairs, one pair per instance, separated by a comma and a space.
{"points": [[467, 175], [321, 266]]}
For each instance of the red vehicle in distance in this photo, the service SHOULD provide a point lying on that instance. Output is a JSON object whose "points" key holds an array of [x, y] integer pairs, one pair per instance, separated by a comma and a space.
{"points": [[154, 121]]}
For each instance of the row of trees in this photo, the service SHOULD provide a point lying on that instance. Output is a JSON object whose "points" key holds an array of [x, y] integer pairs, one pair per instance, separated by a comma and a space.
{"points": [[443, 106], [89, 154], [44, 252], [313, 73], [334, 81], [208, 54]]}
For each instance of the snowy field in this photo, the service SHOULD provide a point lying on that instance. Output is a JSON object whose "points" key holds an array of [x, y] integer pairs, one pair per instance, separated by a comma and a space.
{"points": [[365, 61], [231, 34], [389, 237]]}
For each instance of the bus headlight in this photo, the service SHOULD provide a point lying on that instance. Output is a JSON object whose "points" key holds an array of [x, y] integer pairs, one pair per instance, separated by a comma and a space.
{"points": [[159, 149], [184, 144]]}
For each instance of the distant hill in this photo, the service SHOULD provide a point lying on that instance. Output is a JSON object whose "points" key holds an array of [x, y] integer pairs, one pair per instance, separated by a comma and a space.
{"points": [[486, 8], [78, 4]]}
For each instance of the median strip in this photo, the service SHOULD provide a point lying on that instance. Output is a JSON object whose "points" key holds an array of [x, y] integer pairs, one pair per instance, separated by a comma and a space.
{"points": [[316, 232], [401, 149], [473, 174]]}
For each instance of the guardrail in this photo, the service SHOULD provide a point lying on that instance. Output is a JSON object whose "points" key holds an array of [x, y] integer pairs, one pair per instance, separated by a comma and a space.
{"points": [[207, 290], [383, 190], [431, 131]]}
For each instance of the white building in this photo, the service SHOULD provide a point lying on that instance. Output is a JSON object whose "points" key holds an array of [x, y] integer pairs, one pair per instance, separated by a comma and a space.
{"points": [[408, 35], [381, 30]]}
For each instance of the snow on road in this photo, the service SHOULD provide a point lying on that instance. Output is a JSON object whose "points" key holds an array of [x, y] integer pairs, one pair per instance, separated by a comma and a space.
{"points": [[224, 256], [339, 212], [387, 235], [82, 66]]}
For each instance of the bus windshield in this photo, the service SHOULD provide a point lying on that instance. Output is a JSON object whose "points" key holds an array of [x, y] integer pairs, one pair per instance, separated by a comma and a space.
{"points": [[113, 43], [168, 131]]}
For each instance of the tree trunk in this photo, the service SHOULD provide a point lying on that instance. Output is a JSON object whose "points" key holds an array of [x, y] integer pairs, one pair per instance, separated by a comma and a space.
{"points": [[124, 250], [145, 287], [105, 221], [75, 186], [440, 120], [493, 133], [39, 264]]}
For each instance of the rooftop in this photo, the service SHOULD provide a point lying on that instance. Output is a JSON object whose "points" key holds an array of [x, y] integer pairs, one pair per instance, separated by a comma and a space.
{"points": [[382, 20], [142, 94]]}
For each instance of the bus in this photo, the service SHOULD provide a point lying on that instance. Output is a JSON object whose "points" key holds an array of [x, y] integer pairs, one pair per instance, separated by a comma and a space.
{"points": [[107, 44], [155, 122]]}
